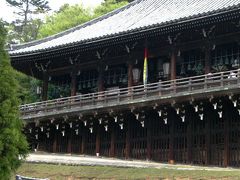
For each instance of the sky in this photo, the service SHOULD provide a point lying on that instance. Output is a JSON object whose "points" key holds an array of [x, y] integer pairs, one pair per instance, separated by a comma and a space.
{"points": [[6, 12]]}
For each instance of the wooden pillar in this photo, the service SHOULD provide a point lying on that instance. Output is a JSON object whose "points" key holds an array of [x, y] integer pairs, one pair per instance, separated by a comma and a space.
{"points": [[69, 145], [130, 74], [112, 144], [189, 137], [173, 67], [55, 142], [73, 83], [208, 134], [45, 86], [226, 139], [100, 79], [207, 60], [98, 140], [83, 141], [171, 140], [149, 140], [127, 146]]}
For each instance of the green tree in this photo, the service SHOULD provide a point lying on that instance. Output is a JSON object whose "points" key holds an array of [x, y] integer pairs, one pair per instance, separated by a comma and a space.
{"points": [[67, 17], [13, 144], [25, 27], [108, 6]]}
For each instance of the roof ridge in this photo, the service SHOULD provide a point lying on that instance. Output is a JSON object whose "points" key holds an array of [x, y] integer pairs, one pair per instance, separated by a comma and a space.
{"points": [[95, 20]]}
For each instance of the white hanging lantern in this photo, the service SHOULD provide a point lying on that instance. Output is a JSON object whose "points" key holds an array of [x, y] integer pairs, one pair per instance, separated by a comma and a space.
{"points": [[63, 133], [137, 116], [201, 116], [165, 120], [178, 110], [91, 130], [142, 124], [30, 130], [70, 124], [41, 128], [57, 126], [220, 114], [100, 121], [183, 118], [85, 123], [106, 128], [215, 106], [47, 134], [235, 103], [36, 136], [239, 111], [196, 108], [160, 113], [76, 131], [115, 119], [121, 126]]}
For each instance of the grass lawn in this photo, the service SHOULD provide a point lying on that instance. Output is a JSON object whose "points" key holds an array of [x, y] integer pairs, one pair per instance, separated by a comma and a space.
{"points": [[63, 172]]}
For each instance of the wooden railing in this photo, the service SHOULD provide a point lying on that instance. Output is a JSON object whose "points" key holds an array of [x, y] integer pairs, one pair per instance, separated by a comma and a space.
{"points": [[154, 91]]}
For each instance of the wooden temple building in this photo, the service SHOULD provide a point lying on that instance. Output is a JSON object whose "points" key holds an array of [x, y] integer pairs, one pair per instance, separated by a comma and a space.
{"points": [[179, 105]]}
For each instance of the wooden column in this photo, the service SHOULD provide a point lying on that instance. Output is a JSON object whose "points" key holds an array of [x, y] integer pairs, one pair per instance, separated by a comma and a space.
{"points": [[98, 140], [69, 145], [207, 60], [128, 145], [130, 74], [189, 136], [226, 138], [149, 139], [73, 83], [112, 145], [45, 86], [83, 141], [100, 79], [173, 67], [55, 142], [171, 139], [208, 133]]}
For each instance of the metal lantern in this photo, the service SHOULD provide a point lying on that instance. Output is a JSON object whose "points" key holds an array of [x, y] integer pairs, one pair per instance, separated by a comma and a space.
{"points": [[166, 69], [136, 75]]}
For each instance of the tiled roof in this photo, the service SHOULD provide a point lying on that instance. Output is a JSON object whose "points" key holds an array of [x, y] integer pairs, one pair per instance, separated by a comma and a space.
{"points": [[140, 14]]}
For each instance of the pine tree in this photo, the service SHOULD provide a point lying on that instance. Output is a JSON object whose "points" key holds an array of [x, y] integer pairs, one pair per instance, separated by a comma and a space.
{"points": [[13, 144], [25, 26]]}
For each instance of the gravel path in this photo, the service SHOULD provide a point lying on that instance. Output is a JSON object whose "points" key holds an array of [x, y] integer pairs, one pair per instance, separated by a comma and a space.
{"points": [[67, 159]]}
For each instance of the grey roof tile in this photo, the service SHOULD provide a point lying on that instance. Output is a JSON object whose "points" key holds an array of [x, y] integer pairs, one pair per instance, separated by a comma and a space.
{"points": [[140, 14]]}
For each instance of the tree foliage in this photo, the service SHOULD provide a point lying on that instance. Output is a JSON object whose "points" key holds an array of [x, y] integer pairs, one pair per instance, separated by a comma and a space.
{"points": [[67, 17], [71, 16], [24, 28], [13, 145]]}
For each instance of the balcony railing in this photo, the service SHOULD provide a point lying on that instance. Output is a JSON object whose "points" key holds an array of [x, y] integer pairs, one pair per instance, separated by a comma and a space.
{"points": [[150, 92]]}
